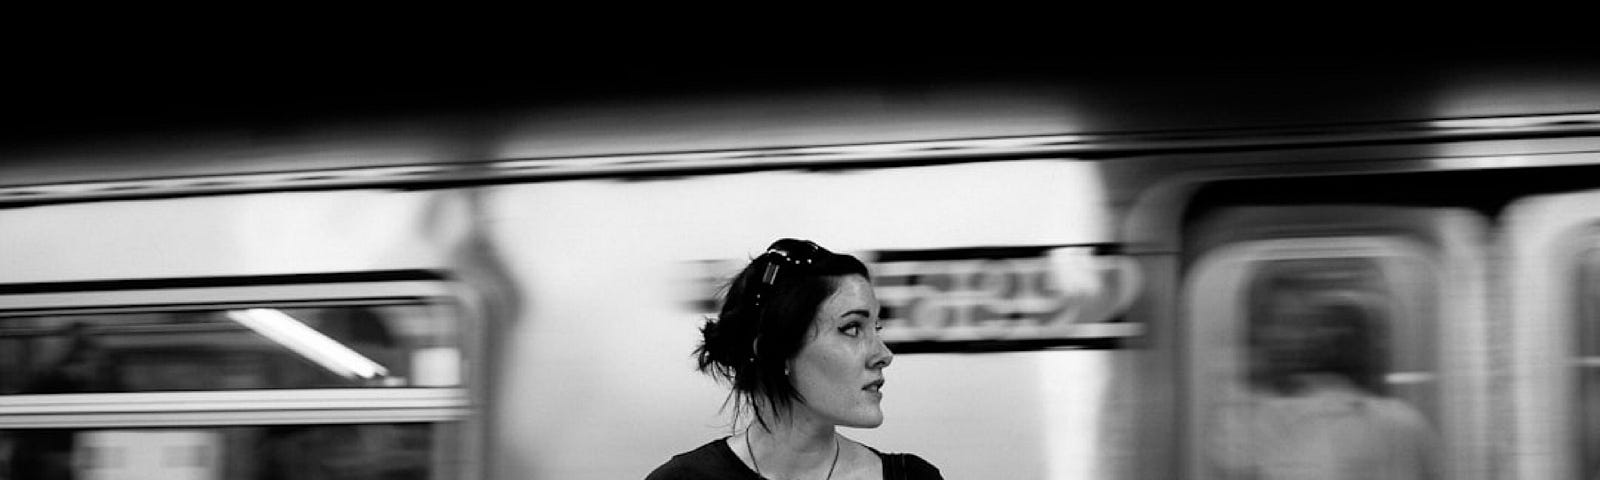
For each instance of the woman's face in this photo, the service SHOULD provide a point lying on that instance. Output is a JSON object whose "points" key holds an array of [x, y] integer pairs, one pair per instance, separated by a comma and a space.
{"points": [[839, 369]]}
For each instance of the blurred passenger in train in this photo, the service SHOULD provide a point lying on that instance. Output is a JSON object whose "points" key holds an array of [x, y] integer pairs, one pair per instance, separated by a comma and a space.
{"points": [[84, 366], [1317, 406], [797, 340], [352, 452]]}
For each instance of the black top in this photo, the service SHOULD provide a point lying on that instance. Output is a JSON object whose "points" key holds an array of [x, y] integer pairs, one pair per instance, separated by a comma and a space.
{"points": [[715, 461]]}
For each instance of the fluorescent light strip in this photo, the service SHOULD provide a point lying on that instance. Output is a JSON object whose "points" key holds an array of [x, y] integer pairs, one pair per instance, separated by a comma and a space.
{"points": [[308, 342]]}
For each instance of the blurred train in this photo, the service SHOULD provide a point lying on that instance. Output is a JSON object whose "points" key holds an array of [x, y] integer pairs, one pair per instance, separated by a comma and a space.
{"points": [[1065, 267]]}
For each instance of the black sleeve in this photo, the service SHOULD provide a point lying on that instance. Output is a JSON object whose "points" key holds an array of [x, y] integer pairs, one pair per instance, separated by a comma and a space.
{"points": [[683, 467], [665, 474], [711, 461], [912, 467]]}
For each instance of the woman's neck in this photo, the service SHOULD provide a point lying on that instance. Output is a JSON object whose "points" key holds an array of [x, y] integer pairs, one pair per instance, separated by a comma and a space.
{"points": [[792, 447]]}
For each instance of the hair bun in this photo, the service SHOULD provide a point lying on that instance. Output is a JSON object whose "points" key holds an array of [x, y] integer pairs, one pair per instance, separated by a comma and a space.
{"points": [[717, 345]]}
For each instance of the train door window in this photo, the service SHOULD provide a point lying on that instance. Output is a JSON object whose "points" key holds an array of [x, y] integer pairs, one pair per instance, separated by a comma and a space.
{"points": [[1585, 354], [1587, 363], [336, 380], [1314, 356], [1552, 250]]}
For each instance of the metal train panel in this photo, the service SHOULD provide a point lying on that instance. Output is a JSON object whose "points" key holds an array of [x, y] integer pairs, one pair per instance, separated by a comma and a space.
{"points": [[244, 235], [598, 380]]}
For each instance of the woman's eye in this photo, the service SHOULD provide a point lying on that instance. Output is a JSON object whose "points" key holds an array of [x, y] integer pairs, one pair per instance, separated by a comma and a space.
{"points": [[852, 329]]}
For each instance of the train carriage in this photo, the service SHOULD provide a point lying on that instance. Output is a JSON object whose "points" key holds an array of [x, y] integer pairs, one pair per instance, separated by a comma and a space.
{"points": [[1068, 265]]}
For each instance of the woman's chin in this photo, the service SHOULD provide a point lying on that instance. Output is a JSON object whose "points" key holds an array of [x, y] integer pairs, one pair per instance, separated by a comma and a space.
{"points": [[865, 421]]}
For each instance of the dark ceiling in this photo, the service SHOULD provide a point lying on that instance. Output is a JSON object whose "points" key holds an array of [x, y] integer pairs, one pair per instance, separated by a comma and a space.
{"points": [[54, 98]]}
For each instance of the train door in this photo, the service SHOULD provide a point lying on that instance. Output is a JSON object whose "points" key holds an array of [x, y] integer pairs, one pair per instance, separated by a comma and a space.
{"points": [[1321, 337], [1552, 253]]}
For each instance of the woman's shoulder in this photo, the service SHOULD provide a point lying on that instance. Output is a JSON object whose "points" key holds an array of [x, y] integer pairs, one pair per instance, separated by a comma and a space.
{"points": [[907, 466], [710, 461]]}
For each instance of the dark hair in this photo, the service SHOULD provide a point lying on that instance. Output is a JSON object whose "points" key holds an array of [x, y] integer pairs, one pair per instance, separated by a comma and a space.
{"points": [[1354, 350], [1348, 335], [765, 317]]}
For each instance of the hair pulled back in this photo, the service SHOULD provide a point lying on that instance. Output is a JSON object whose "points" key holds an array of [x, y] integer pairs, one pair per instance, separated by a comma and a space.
{"points": [[766, 316]]}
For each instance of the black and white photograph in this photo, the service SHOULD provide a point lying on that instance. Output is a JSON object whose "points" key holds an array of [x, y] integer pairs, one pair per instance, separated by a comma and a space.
{"points": [[382, 263]]}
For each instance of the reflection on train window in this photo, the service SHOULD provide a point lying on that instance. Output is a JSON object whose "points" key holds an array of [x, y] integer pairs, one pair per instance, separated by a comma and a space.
{"points": [[306, 346], [1588, 364], [1335, 380], [355, 452]]}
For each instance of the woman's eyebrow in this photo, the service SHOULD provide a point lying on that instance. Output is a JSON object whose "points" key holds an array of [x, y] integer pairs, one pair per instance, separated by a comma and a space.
{"points": [[859, 311]]}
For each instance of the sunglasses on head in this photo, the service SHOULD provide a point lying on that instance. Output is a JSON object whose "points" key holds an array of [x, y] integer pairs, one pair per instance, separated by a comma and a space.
{"points": [[790, 253], [786, 255]]}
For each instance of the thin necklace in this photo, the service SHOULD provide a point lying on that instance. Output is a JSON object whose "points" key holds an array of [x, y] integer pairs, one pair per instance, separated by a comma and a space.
{"points": [[758, 466]]}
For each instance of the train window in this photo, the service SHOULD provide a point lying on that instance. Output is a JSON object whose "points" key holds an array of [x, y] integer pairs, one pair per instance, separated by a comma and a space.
{"points": [[256, 347], [353, 451], [1322, 364], [1338, 316], [336, 380]]}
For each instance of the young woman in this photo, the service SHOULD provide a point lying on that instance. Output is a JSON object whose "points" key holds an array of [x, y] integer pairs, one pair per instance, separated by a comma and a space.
{"points": [[797, 339]]}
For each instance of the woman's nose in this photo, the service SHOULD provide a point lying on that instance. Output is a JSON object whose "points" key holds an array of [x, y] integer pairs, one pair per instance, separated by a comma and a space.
{"points": [[881, 356]]}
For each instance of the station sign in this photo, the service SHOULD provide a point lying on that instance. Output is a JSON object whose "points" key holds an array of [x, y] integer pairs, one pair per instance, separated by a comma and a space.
{"points": [[991, 298]]}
